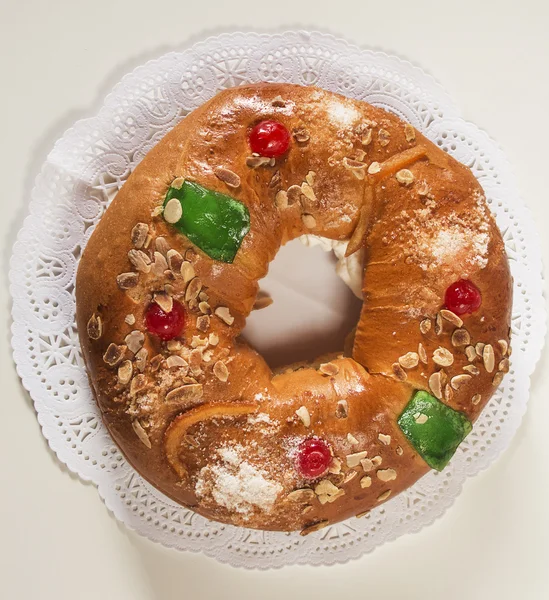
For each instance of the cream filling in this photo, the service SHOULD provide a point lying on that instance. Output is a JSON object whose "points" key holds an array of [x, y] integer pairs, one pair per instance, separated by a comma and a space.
{"points": [[350, 268]]}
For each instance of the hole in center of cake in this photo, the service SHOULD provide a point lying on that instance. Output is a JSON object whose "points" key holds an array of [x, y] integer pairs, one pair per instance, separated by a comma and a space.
{"points": [[312, 312]]}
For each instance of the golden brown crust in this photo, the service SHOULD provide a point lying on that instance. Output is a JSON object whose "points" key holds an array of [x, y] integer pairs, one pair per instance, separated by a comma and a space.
{"points": [[424, 221]]}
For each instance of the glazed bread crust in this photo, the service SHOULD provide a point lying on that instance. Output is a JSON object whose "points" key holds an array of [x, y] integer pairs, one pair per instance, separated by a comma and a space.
{"points": [[203, 418]]}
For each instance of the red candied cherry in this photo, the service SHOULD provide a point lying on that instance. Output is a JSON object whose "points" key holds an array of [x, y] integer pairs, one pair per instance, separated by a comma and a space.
{"points": [[165, 325], [269, 138], [313, 458], [463, 297]]}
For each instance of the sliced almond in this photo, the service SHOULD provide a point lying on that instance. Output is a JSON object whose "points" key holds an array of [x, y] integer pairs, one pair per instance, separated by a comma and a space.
{"points": [[156, 361], [357, 168], [352, 439], [399, 450], [281, 199], [349, 477], [335, 466], [425, 326], [409, 132], [95, 327], [504, 346], [342, 410], [161, 245], [435, 384], [223, 313], [366, 481], [386, 474], [140, 260], [461, 337], [310, 178], [384, 439], [476, 399], [114, 354], [220, 371], [176, 362], [262, 301], [138, 384], [489, 358], [504, 365], [384, 496], [257, 161], [195, 361], [165, 301], [308, 220], [141, 359], [139, 235], [498, 378], [376, 461], [420, 418], [204, 308], [173, 211], [399, 372], [177, 183], [329, 369], [451, 317], [366, 137], [193, 289], [448, 393], [141, 433], [471, 353], [187, 271], [459, 380], [301, 495], [410, 360], [443, 357], [438, 324], [301, 135], [422, 353], [159, 265], [227, 176], [367, 464], [303, 414], [174, 345], [134, 340], [213, 339], [374, 168], [326, 487], [308, 192], [127, 281], [422, 189], [405, 176], [471, 369], [479, 349], [353, 460], [175, 260], [314, 527], [294, 194], [125, 371], [383, 136], [203, 323], [129, 319], [276, 180], [185, 393]]}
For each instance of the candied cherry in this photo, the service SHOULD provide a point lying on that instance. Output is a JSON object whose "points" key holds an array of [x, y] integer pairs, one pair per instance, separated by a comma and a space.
{"points": [[269, 138], [313, 458], [463, 297], [165, 325]]}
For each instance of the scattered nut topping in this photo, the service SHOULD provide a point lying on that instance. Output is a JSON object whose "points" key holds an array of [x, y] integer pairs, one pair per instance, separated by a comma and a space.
{"points": [[383, 136], [114, 354], [504, 365], [353, 460], [384, 496], [175, 361], [405, 176], [308, 192], [479, 349], [472, 369], [504, 346], [204, 308], [95, 327], [126, 281], [335, 466], [476, 399], [256, 161], [160, 264], [129, 319], [308, 220], [156, 361], [140, 260], [376, 461], [422, 353], [275, 180], [175, 260], [191, 391], [220, 371], [224, 314], [139, 234], [489, 358], [187, 271], [278, 102], [498, 378], [438, 324], [303, 414], [448, 315], [213, 339], [410, 360], [409, 132], [461, 337], [420, 418], [281, 200], [435, 384], [329, 369], [422, 189], [314, 527], [301, 135], [203, 323], [366, 137], [165, 301], [374, 168], [352, 439], [326, 487], [471, 353], [349, 477], [227, 176], [141, 359], [195, 361], [357, 168], [443, 357], [310, 178], [457, 381], [366, 481], [294, 194], [448, 392], [177, 183], [342, 410], [161, 244], [425, 326], [367, 465], [141, 433], [173, 345], [399, 450], [399, 372], [134, 340], [301, 495], [386, 474], [193, 289], [207, 356], [173, 211], [262, 301], [125, 371], [384, 439], [139, 382]]}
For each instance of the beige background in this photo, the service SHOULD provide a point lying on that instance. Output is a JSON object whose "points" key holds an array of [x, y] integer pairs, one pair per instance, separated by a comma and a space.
{"points": [[58, 58]]}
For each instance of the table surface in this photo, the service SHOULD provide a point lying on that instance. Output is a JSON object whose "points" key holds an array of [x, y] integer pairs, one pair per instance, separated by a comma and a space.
{"points": [[59, 59]]}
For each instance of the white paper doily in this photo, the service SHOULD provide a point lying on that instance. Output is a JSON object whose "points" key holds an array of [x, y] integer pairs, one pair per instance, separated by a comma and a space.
{"points": [[89, 164]]}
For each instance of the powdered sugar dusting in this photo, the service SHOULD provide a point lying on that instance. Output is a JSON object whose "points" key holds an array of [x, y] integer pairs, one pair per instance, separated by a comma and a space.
{"points": [[236, 484]]}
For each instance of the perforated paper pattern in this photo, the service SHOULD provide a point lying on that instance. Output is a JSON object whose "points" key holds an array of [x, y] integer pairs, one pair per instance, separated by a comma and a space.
{"points": [[90, 163]]}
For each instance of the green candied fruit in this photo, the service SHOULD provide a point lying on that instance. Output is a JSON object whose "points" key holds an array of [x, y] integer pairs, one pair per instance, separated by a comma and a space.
{"points": [[214, 222], [434, 429]]}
